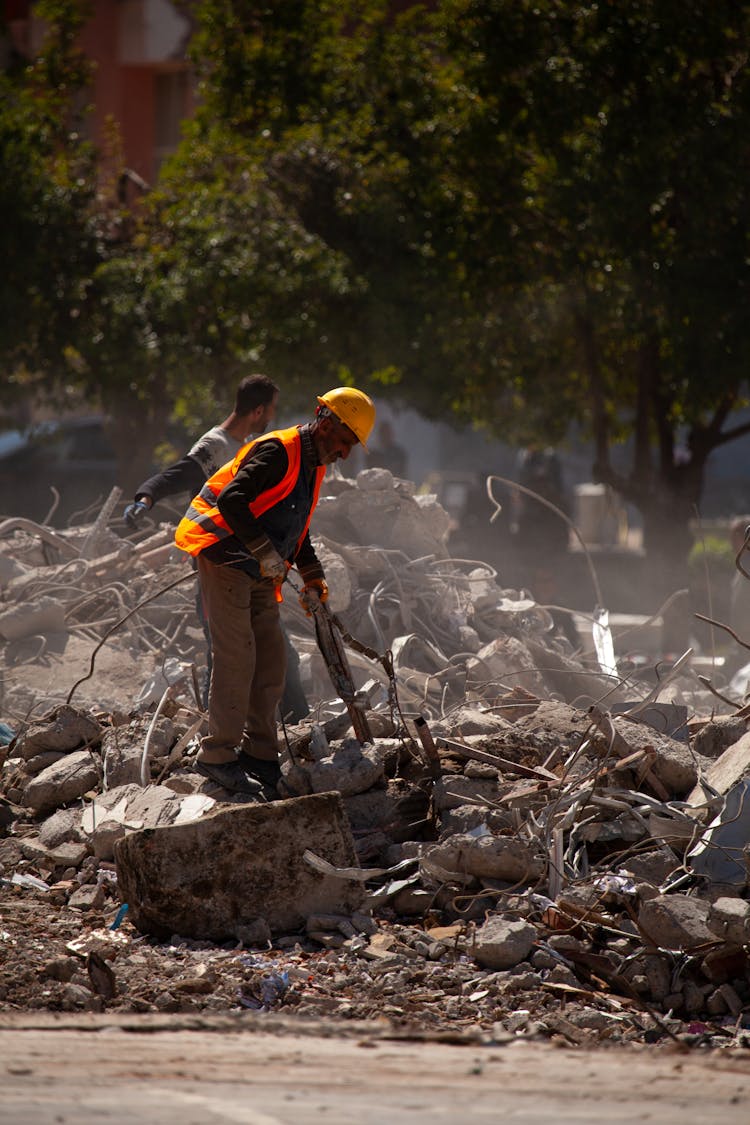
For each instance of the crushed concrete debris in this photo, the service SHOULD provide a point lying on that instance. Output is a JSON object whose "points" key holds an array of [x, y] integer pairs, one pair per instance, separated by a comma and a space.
{"points": [[526, 848]]}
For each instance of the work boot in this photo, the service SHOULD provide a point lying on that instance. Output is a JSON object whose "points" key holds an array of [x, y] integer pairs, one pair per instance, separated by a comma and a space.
{"points": [[267, 772], [232, 776]]}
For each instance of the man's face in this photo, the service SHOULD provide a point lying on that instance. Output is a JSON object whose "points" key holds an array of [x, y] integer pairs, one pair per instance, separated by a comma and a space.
{"points": [[334, 441], [265, 415]]}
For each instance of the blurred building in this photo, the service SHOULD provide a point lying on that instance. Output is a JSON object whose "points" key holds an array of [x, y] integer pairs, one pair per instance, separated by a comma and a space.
{"points": [[142, 81]]}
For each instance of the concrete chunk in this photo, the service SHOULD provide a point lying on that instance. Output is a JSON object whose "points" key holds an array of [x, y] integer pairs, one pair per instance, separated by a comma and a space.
{"points": [[62, 730], [675, 764], [63, 782], [69, 854], [729, 918], [502, 943], [122, 749], [129, 808], [209, 877], [350, 769], [489, 857], [62, 827], [718, 735], [676, 922]]}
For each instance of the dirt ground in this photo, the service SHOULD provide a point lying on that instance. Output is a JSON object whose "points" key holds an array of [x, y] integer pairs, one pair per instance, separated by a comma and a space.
{"points": [[173, 1047], [260, 1070]]}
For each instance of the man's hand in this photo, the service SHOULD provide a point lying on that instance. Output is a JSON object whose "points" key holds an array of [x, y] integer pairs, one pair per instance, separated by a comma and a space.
{"points": [[272, 565], [134, 513], [311, 593]]}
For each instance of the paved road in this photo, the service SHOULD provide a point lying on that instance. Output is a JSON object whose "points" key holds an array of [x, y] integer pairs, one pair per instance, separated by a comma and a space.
{"points": [[148, 1072]]}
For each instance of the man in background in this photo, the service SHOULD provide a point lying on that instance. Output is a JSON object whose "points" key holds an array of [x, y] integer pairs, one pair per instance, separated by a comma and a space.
{"points": [[254, 408]]}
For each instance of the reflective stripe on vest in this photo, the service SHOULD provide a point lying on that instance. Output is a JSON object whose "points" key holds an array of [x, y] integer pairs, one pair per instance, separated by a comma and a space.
{"points": [[203, 523]]}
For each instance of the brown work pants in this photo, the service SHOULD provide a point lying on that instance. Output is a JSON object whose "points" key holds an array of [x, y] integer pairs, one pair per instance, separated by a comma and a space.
{"points": [[249, 664]]}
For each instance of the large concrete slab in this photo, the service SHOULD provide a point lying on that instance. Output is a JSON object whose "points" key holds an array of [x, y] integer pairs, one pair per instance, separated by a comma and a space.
{"points": [[212, 878]]}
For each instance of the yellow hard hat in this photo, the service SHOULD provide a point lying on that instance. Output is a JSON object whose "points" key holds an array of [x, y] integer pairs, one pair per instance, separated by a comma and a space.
{"points": [[354, 408]]}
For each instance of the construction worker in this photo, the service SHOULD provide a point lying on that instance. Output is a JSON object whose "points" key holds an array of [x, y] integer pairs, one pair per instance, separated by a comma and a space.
{"points": [[255, 404], [247, 526]]}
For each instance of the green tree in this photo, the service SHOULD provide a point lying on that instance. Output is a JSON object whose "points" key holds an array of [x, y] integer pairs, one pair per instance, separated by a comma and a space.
{"points": [[524, 213], [633, 231], [47, 239]]}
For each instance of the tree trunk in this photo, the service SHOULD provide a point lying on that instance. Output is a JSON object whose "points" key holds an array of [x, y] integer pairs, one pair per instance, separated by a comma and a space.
{"points": [[135, 432], [667, 511]]}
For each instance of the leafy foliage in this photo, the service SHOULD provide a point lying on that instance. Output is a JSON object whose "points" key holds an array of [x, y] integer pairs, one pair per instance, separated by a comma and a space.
{"points": [[47, 241], [520, 213]]}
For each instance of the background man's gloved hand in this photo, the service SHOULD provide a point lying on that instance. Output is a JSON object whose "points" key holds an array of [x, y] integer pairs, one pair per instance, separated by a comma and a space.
{"points": [[134, 513], [271, 565], [314, 590]]}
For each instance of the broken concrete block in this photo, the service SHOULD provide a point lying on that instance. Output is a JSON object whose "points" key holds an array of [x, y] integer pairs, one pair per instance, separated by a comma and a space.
{"points": [[104, 838], [206, 878], [564, 676], [129, 808], [388, 517], [652, 867], [729, 918], [62, 827], [490, 857], [339, 576], [372, 480], [465, 721], [676, 922], [63, 782], [64, 855], [725, 963], [413, 901], [155, 806], [257, 932], [40, 762], [693, 998], [391, 808], [666, 718], [502, 943], [718, 735], [675, 764], [62, 730], [122, 749], [88, 897], [350, 769]]}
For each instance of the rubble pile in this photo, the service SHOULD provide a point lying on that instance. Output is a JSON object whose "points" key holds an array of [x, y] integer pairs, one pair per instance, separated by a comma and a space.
{"points": [[527, 846]]}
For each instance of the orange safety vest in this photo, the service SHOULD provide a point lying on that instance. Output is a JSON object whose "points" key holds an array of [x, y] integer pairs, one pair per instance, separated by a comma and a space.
{"points": [[203, 523]]}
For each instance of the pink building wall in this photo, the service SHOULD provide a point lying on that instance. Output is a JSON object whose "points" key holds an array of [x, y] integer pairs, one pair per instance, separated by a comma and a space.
{"points": [[141, 82]]}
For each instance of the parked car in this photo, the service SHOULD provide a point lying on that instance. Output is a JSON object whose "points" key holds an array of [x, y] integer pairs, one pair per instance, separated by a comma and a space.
{"points": [[73, 455]]}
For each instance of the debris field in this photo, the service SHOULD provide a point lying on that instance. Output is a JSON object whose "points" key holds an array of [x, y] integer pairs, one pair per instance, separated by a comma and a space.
{"points": [[529, 846]]}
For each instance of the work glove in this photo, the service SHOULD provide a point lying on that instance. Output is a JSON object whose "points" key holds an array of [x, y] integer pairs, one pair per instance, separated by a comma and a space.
{"points": [[134, 513], [271, 565], [311, 593]]}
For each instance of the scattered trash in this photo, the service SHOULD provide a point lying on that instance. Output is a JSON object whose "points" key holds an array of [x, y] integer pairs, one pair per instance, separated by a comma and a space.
{"points": [[23, 879], [119, 917]]}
